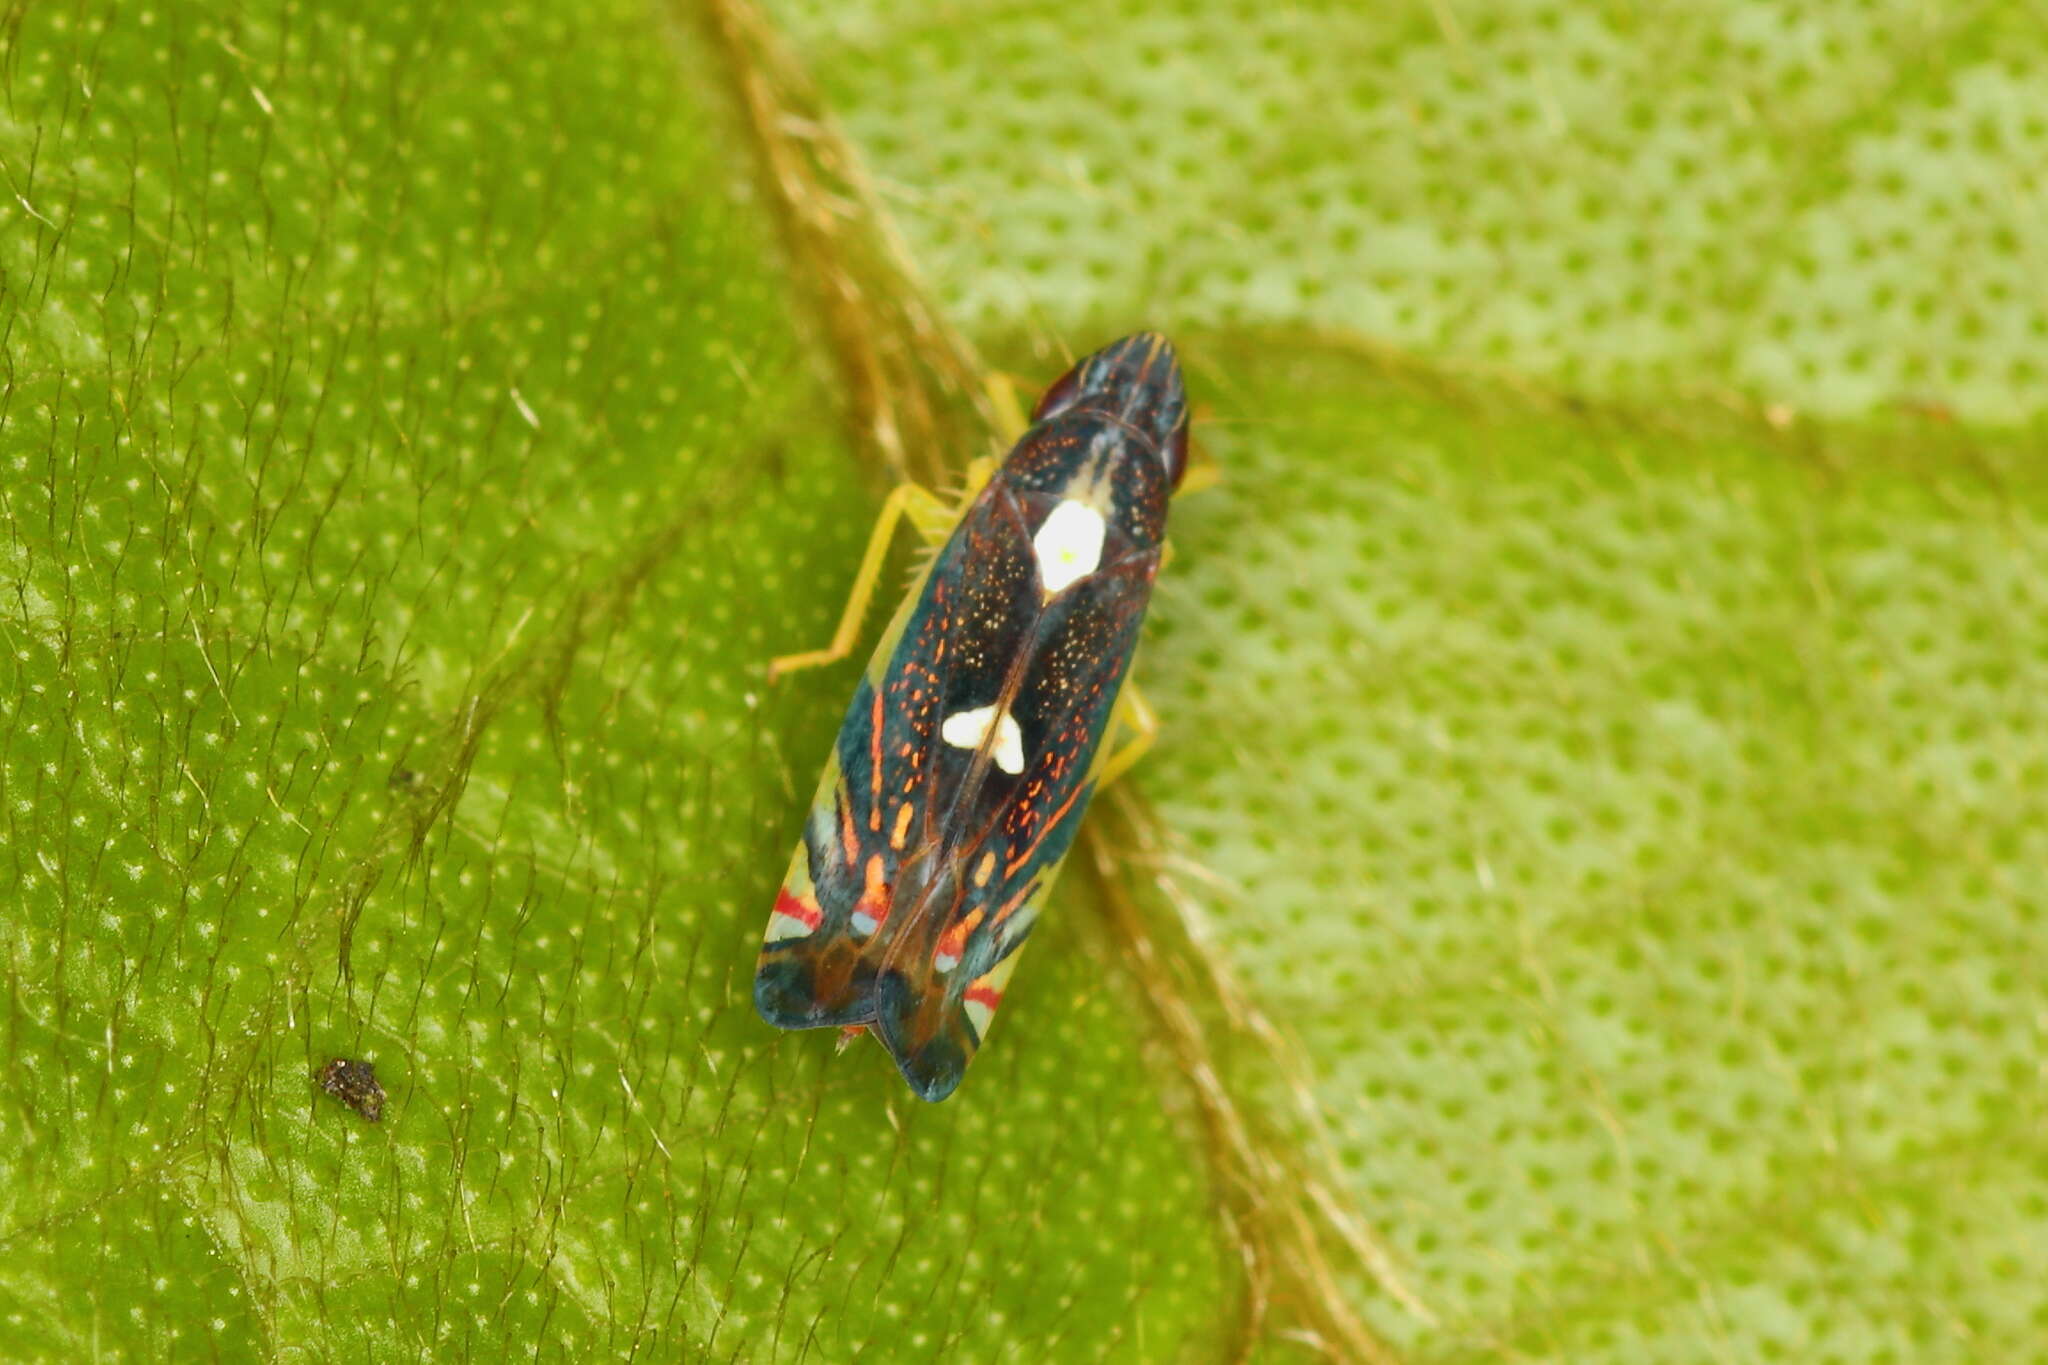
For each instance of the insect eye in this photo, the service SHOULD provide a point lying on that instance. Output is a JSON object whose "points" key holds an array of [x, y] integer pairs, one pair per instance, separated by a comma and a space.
{"points": [[1176, 454], [1059, 395]]}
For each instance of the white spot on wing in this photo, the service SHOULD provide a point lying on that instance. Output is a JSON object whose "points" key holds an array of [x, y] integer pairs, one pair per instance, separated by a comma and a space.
{"points": [[781, 926], [967, 729], [1068, 544]]}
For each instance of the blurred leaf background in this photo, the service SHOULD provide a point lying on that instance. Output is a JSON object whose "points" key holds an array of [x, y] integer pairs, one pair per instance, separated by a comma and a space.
{"points": [[1586, 904]]}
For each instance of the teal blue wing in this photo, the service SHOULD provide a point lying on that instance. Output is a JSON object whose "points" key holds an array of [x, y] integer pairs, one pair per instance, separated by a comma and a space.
{"points": [[946, 968], [968, 752]]}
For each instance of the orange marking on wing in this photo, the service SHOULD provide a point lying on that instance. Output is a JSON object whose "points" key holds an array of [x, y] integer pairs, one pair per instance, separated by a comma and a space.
{"points": [[902, 825], [848, 839], [984, 995], [1010, 868], [875, 764], [874, 897], [953, 942]]}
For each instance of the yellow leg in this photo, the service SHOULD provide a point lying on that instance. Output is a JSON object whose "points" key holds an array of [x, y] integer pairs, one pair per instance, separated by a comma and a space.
{"points": [[979, 472], [926, 512], [1135, 714], [1201, 475], [1011, 418]]}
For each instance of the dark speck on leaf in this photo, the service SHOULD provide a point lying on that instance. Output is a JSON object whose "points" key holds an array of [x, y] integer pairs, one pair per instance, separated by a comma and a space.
{"points": [[355, 1085]]}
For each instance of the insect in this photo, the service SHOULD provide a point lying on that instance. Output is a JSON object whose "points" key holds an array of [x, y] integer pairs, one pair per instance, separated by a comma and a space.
{"points": [[975, 737], [355, 1085]]}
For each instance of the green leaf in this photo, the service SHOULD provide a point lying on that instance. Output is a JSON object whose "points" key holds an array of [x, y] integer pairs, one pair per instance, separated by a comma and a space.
{"points": [[414, 450], [1635, 824], [1827, 205], [1582, 907], [1630, 813]]}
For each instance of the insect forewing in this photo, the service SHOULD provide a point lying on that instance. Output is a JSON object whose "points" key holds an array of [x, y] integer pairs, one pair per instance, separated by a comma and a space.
{"points": [[966, 757], [944, 973]]}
